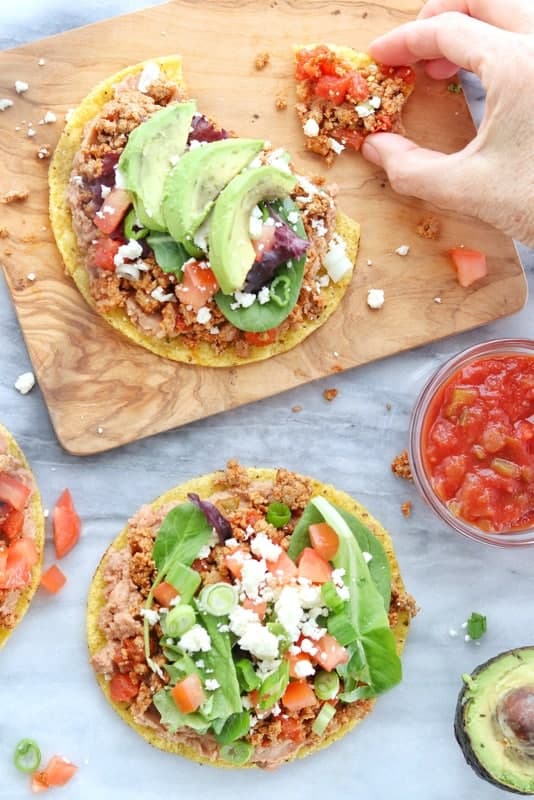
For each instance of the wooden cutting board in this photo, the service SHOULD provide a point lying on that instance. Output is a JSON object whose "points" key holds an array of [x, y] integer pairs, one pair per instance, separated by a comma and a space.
{"points": [[102, 391]]}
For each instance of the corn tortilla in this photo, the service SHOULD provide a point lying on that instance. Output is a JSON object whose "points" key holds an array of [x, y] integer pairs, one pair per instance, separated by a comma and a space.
{"points": [[73, 257], [204, 486]]}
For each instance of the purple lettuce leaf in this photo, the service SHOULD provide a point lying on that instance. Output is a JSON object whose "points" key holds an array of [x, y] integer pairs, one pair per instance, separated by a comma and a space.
{"points": [[205, 131], [285, 246], [214, 517]]}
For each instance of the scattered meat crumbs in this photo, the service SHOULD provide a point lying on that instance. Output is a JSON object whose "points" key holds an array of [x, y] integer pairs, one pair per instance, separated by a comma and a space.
{"points": [[406, 508], [14, 196], [280, 102], [296, 409], [261, 61], [388, 406], [330, 394], [429, 228], [400, 466], [4, 233]]}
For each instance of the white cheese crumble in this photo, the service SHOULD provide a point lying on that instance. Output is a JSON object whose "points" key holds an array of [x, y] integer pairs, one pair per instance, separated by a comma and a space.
{"points": [[25, 382], [5, 103], [77, 180], [264, 295], [173, 160], [311, 630], [161, 296], [403, 250], [336, 146], [375, 298], [375, 101], [253, 576], [31, 276], [104, 191], [304, 668], [310, 596], [31, 132], [131, 251], [364, 110], [211, 684], [307, 646], [259, 641], [21, 87], [128, 271], [232, 543], [41, 62], [289, 611], [203, 315], [149, 74], [120, 180], [368, 557], [241, 618], [263, 547], [453, 633], [255, 224], [196, 639], [311, 127], [49, 117], [243, 300], [151, 615], [336, 262], [437, 300]]}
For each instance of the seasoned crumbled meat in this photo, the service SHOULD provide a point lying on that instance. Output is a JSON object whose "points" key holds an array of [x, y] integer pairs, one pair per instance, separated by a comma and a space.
{"points": [[142, 566], [293, 490], [280, 102], [4, 233], [330, 394], [429, 228], [296, 409], [402, 601], [400, 466], [14, 196], [235, 475], [406, 508], [261, 61]]}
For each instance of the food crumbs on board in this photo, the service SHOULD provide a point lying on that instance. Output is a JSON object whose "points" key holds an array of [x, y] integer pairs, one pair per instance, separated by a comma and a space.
{"points": [[403, 250], [330, 394], [100, 430], [31, 276], [41, 62], [43, 152], [454, 88], [261, 61], [280, 102], [406, 509], [14, 196], [388, 406], [375, 298], [296, 409], [400, 466], [4, 233], [428, 228], [25, 382], [369, 262], [437, 300]]}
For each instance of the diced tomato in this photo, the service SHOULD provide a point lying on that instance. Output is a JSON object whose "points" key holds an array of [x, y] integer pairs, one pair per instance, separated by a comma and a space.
{"points": [[324, 540], [264, 242], [299, 694], [258, 606], [165, 593], [104, 253], [470, 265], [53, 579], [66, 524], [333, 88], [294, 660], [253, 516], [188, 694], [357, 90], [383, 123], [352, 139], [12, 525], [23, 549], [58, 772], [13, 491], [234, 561], [314, 63], [254, 697], [313, 567], [21, 556], [112, 210], [291, 728], [3, 567], [283, 568], [329, 653], [123, 688], [404, 73], [262, 338], [198, 285]]}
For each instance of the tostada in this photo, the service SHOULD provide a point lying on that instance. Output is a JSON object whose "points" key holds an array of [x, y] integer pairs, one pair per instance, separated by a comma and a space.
{"points": [[199, 245], [248, 617]]}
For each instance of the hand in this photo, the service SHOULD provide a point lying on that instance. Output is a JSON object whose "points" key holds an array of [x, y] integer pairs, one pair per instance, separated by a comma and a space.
{"points": [[492, 178]]}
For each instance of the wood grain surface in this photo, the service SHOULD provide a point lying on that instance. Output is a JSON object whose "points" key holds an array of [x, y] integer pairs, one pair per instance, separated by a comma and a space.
{"points": [[101, 390]]}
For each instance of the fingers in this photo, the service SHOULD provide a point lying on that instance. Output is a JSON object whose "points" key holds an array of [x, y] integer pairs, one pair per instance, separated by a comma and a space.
{"points": [[456, 37], [510, 15], [440, 69]]}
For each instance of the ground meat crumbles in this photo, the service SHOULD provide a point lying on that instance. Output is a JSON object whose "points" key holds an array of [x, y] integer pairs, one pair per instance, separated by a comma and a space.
{"points": [[129, 573], [400, 466]]}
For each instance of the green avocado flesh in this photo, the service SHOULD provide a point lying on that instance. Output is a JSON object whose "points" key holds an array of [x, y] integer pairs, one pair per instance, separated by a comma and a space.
{"points": [[494, 722], [146, 159], [231, 251], [199, 176]]}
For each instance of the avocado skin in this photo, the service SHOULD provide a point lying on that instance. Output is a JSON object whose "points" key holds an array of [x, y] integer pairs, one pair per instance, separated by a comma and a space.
{"points": [[462, 734]]}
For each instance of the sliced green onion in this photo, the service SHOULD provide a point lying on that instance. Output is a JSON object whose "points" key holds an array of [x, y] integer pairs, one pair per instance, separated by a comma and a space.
{"points": [[237, 753], [280, 290], [323, 719], [274, 686], [191, 247], [132, 228], [342, 629], [247, 678], [27, 757], [278, 514], [178, 621], [236, 726], [326, 685], [282, 635], [330, 597], [218, 599]]}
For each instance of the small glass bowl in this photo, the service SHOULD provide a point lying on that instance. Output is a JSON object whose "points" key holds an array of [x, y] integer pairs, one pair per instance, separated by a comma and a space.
{"points": [[421, 480]]}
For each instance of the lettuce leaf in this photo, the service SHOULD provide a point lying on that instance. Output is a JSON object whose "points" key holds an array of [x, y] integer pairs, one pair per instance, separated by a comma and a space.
{"points": [[183, 532]]}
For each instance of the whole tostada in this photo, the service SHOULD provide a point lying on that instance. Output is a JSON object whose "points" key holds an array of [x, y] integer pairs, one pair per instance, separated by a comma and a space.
{"points": [[199, 245], [21, 535], [248, 617]]}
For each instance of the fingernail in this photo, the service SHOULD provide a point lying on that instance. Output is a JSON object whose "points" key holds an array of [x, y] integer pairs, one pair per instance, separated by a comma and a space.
{"points": [[370, 153]]}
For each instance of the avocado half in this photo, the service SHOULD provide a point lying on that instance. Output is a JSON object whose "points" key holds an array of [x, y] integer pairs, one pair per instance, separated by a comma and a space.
{"points": [[494, 721]]}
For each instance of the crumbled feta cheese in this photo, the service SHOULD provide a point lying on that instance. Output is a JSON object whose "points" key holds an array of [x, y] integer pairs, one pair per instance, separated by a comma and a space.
{"points": [[294, 650], [128, 271], [338, 575], [311, 127], [31, 276], [304, 668], [203, 315], [200, 663], [120, 179], [68, 115], [264, 295], [279, 159], [336, 146], [151, 615], [263, 547], [364, 110], [232, 543], [211, 684], [31, 132], [369, 262], [453, 633], [259, 641], [77, 180], [195, 639], [100, 431], [131, 250], [49, 117], [307, 646], [464, 625], [243, 300], [467, 638], [255, 224], [5, 103], [375, 101], [319, 227], [289, 611], [437, 300], [46, 512], [336, 261], [21, 87], [375, 298], [276, 710], [242, 618], [311, 630], [253, 576], [310, 596], [25, 382], [368, 557], [403, 250], [149, 74], [343, 592], [41, 62], [104, 191]]}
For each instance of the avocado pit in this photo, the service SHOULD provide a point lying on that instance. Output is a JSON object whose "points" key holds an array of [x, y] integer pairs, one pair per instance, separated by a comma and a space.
{"points": [[515, 717]]}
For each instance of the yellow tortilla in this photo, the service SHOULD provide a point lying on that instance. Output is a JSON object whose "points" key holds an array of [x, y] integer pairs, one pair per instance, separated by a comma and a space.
{"points": [[35, 509], [204, 486], [73, 257]]}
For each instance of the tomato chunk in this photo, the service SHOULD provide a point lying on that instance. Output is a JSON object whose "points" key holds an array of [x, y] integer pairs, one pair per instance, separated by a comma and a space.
{"points": [[123, 688], [258, 606], [313, 567], [234, 561], [283, 568], [198, 285], [299, 694], [261, 338], [294, 660], [352, 139], [58, 772], [165, 593], [324, 540], [23, 549], [53, 580], [13, 491], [329, 653], [470, 265], [105, 252], [333, 88], [188, 694], [357, 90], [112, 210], [12, 525], [66, 524]]}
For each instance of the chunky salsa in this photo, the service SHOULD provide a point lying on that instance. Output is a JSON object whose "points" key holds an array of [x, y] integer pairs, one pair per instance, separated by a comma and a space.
{"points": [[478, 443]]}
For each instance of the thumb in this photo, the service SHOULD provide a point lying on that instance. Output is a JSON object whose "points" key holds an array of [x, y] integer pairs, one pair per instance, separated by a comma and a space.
{"points": [[444, 180]]}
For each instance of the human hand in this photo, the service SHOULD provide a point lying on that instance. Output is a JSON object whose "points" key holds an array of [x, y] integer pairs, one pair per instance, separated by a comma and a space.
{"points": [[492, 178]]}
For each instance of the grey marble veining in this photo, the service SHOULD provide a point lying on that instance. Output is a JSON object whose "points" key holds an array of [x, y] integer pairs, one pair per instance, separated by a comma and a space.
{"points": [[406, 748]]}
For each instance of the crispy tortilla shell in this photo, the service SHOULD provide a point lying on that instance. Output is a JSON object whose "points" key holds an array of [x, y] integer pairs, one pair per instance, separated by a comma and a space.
{"points": [[73, 256], [35, 509], [204, 486]]}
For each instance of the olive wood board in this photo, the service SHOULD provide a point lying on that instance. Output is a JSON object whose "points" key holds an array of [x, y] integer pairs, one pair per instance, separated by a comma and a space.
{"points": [[103, 391]]}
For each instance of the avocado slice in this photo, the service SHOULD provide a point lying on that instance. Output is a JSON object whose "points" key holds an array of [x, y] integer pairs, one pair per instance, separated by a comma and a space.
{"points": [[146, 159], [494, 722], [200, 175], [230, 247]]}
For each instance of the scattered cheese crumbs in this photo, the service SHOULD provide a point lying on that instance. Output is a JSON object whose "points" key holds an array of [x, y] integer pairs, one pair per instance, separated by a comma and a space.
{"points": [[255, 225], [304, 668], [437, 300], [211, 684], [151, 615], [161, 296], [375, 102], [68, 115], [336, 146], [149, 74], [120, 180], [467, 638], [196, 639], [43, 152], [25, 382], [453, 633], [375, 298], [203, 315], [41, 62], [367, 556], [100, 430], [46, 512], [21, 87], [369, 262], [131, 250], [31, 276], [403, 250], [311, 127], [31, 132], [263, 547], [364, 110], [104, 190], [264, 295], [243, 300], [5, 103], [49, 117]]}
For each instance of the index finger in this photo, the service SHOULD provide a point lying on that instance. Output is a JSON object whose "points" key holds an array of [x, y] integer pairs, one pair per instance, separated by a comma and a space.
{"points": [[510, 15]]}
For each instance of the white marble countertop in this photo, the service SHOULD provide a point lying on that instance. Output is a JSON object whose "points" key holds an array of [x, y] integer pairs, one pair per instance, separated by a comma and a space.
{"points": [[406, 748]]}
